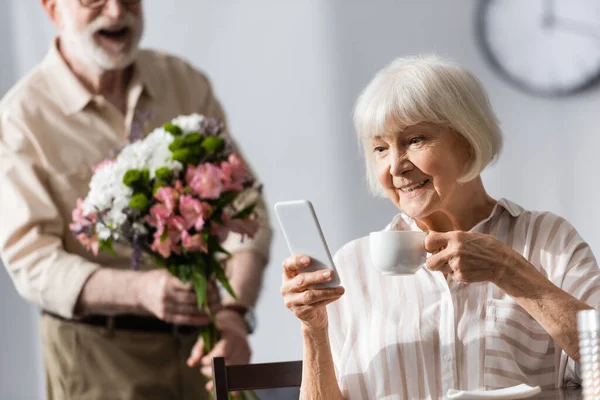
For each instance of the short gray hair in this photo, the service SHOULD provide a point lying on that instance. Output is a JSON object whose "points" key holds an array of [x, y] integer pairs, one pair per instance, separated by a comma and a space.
{"points": [[411, 90]]}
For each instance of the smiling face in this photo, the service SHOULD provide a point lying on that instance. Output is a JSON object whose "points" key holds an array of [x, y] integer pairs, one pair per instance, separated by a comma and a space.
{"points": [[419, 167], [106, 38]]}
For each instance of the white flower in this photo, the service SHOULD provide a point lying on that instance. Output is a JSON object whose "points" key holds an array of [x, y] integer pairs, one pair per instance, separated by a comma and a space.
{"points": [[104, 233], [188, 123], [107, 191]]}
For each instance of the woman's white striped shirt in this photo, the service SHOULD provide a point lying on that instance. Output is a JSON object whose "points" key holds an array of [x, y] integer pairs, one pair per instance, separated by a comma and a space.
{"points": [[416, 337]]}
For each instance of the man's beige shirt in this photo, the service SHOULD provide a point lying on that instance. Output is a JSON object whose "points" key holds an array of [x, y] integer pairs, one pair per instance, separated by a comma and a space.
{"points": [[52, 131]]}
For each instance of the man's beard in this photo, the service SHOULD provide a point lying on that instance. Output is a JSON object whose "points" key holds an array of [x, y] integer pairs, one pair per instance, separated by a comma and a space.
{"points": [[91, 53]]}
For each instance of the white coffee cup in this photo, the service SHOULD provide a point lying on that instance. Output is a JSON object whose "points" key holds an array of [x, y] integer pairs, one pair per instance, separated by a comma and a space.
{"points": [[397, 252]]}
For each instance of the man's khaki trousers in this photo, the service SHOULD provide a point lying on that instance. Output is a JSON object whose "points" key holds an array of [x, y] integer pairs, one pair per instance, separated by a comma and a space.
{"points": [[92, 363]]}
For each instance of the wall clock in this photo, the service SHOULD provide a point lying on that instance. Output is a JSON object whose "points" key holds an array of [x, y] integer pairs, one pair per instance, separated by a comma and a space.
{"points": [[544, 47]]}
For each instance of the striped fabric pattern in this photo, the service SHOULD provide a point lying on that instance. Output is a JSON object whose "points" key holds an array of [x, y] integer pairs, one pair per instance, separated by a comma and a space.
{"points": [[416, 337]]}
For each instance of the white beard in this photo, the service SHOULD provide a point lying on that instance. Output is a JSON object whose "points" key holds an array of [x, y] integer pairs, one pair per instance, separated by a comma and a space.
{"points": [[93, 54]]}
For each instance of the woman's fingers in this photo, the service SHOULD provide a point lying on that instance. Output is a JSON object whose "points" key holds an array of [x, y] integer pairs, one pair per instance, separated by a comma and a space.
{"points": [[312, 297], [294, 264], [439, 260], [305, 280]]}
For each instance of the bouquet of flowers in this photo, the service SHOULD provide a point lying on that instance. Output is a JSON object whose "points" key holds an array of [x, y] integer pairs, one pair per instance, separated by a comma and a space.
{"points": [[171, 195]]}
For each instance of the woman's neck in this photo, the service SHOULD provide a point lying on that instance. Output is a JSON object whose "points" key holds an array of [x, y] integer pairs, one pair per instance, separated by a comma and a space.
{"points": [[463, 212]]}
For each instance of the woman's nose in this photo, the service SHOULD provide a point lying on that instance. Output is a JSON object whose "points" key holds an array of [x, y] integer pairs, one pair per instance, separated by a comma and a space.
{"points": [[400, 164]]}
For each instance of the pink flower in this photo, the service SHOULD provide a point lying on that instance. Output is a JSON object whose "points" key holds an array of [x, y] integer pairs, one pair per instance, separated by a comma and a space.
{"points": [[158, 216], [80, 220], [170, 243], [179, 187], [205, 180], [168, 196], [235, 173], [220, 231], [83, 228], [175, 226], [193, 242], [162, 247], [102, 164], [91, 243], [194, 212]]}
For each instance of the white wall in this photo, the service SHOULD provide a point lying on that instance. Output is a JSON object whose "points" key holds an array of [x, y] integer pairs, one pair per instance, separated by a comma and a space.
{"points": [[21, 372], [288, 74]]}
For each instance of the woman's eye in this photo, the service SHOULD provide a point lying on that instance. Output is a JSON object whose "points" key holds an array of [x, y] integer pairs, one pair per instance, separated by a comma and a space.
{"points": [[415, 140], [378, 149]]}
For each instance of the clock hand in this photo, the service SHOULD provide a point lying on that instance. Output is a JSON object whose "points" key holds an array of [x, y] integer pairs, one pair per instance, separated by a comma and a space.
{"points": [[548, 16], [576, 27]]}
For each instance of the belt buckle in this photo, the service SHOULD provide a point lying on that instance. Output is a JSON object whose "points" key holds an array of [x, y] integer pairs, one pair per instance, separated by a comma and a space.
{"points": [[110, 325]]}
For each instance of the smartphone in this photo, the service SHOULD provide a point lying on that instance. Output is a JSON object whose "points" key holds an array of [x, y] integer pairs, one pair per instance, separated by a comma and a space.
{"points": [[303, 235]]}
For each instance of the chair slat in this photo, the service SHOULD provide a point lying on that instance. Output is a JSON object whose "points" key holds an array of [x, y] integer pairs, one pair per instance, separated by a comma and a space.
{"points": [[254, 376]]}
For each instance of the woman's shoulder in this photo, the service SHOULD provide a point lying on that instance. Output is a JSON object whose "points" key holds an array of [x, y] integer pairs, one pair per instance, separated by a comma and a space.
{"points": [[537, 216], [543, 227]]}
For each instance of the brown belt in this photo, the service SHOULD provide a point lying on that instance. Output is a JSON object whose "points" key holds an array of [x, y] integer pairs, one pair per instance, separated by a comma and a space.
{"points": [[130, 323]]}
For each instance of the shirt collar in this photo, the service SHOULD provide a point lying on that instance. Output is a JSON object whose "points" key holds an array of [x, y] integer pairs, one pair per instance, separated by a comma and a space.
{"points": [[70, 93], [403, 222]]}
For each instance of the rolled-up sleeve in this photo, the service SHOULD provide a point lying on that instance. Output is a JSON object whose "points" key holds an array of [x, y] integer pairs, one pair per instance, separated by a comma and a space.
{"points": [[31, 230], [578, 275]]}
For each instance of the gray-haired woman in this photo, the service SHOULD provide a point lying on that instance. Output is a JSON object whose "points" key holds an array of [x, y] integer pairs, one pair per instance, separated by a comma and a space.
{"points": [[496, 305]]}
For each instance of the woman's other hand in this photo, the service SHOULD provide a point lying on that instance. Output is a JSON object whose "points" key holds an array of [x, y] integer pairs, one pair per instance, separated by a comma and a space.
{"points": [[307, 304], [470, 256]]}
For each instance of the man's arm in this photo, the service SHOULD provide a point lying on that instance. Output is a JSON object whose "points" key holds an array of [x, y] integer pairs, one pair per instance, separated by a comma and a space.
{"points": [[155, 292], [60, 282], [31, 237], [245, 271]]}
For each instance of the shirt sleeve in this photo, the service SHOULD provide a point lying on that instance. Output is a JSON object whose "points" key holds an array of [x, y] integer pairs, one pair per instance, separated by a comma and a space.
{"points": [[31, 229], [261, 242], [577, 274]]}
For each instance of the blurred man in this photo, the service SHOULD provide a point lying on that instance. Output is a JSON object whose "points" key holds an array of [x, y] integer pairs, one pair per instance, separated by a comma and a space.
{"points": [[107, 331]]}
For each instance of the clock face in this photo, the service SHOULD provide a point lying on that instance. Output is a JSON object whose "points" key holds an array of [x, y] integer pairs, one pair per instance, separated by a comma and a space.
{"points": [[545, 47]]}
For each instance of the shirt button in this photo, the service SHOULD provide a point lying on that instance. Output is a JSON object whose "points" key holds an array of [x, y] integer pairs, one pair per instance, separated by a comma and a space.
{"points": [[447, 357]]}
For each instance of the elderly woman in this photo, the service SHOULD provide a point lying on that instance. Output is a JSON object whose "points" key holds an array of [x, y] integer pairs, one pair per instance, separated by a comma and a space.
{"points": [[496, 304]]}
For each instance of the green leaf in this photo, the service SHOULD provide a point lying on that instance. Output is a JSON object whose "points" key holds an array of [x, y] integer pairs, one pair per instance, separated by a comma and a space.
{"points": [[132, 177], [160, 262], [193, 138], [199, 283], [207, 339], [212, 144], [106, 246], [245, 213], [222, 277], [163, 237], [214, 246], [185, 273], [164, 174], [144, 183], [226, 198], [172, 129], [177, 144], [182, 155], [139, 202], [137, 179], [197, 150]]}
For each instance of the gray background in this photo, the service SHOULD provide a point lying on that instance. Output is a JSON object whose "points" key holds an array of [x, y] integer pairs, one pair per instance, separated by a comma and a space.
{"points": [[288, 73]]}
